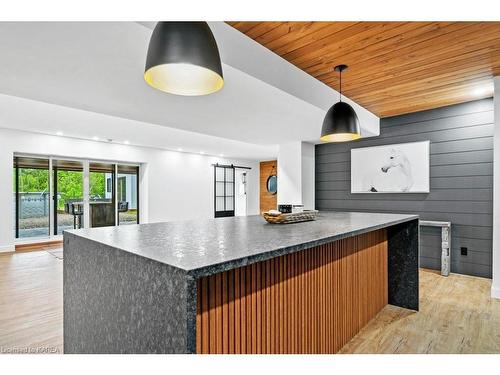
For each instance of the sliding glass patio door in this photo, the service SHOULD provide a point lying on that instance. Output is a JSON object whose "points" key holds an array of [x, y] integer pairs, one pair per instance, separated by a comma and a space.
{"points": [[31, 197], [102, 195], [128, 194], [68, 195], [54, 194]]}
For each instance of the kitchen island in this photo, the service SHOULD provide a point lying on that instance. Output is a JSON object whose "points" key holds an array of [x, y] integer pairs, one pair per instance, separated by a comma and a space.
{"points": [[236, 285]]}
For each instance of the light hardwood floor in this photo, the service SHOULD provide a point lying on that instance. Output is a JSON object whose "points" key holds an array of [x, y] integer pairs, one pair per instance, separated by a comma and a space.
{"points": [[31, 310], [456, 316]]}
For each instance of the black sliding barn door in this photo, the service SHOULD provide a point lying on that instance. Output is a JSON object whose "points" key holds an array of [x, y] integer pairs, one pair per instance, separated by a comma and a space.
{"points": [[223, 190]]}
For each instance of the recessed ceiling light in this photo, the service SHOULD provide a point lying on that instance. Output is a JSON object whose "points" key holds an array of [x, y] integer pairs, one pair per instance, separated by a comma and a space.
{"points": [[126, 142], [95, 138], [179, 149], [59, 133]]}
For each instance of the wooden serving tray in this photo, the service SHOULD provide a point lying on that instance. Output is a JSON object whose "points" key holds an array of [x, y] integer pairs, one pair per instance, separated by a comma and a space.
{"points": [[306, 215]]}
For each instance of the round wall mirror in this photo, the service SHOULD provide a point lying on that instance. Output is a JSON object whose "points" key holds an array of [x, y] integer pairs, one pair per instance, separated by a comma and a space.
{"points": [[272, 184]]}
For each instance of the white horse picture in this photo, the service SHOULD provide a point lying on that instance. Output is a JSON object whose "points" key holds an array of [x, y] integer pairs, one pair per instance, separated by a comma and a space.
{"points": [[394, 174], [397, 169]]}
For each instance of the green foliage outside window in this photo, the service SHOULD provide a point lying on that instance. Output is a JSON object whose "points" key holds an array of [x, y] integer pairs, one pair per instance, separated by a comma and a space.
{"points": [[33, 180], [97, 184], [69, 184]]}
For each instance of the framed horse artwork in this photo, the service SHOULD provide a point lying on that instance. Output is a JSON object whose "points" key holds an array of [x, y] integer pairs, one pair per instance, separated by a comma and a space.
{"points": [[396, 168]]}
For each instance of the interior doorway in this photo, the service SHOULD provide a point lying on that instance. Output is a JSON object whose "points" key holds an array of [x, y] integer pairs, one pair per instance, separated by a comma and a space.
{"points": [[224, 190], [230, 190], [241, 197]]}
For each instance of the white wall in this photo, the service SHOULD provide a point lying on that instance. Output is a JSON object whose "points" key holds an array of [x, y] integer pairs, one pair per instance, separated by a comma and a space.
{"points": [[495, 286], [296, 174], [290, 173], [173, 185], [308, 176]]}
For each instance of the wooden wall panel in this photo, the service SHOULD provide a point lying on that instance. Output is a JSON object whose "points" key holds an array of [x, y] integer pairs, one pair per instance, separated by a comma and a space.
{"points": [[461, 178], [312, 301], [267, 201]]}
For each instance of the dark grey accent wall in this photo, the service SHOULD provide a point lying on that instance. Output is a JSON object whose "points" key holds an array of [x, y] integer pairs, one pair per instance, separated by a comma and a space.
{"points": [[461, 160]]}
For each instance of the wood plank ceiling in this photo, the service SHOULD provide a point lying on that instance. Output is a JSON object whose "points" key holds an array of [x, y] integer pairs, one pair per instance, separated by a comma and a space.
{"points": [[394, 67]]}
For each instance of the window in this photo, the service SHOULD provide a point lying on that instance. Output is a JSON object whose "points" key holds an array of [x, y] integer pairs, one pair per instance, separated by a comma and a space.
{"points": [[102, 197], [31, 197], [128, 194], [224, 190], [68, 195], [49, 197]]}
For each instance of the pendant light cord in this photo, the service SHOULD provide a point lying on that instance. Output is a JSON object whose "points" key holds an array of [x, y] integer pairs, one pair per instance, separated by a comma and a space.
{"points": [[341, 85]]}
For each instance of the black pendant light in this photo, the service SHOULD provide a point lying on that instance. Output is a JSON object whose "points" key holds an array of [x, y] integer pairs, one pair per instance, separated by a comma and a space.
{"points": [[341, 122], [183, 59]]}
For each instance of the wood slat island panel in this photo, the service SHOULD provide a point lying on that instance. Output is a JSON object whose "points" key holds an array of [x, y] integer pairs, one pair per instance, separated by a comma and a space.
{"points": [[312, 301]]}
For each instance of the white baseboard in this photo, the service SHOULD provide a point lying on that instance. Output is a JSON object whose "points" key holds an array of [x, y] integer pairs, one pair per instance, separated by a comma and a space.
{"points": [[7, 249], [495, 292]]}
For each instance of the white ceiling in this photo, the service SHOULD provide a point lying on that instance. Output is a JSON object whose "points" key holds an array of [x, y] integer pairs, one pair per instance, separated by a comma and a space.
{"points": [[98, 67], [34, 116]]}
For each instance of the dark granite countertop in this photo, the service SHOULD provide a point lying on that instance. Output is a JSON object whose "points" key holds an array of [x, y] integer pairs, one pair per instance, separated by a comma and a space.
{"points": [[207, 246]]}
